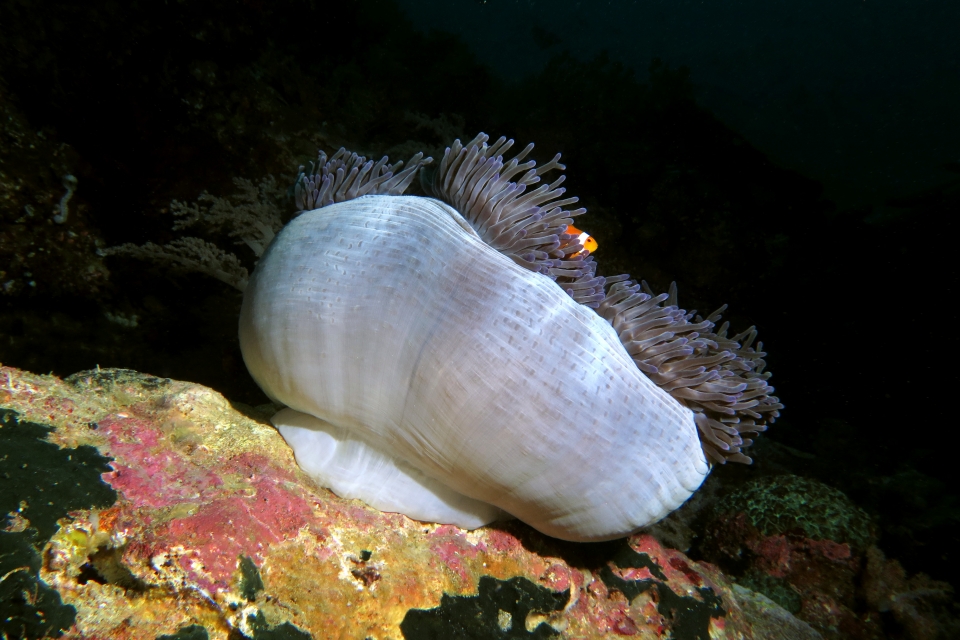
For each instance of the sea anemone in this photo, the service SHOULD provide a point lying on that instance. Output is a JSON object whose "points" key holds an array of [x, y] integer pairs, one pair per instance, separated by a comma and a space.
{"points": [[456, 357]]}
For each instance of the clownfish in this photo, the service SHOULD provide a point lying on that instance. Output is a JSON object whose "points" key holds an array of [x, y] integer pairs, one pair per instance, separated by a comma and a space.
{"points": [[586, 240]]}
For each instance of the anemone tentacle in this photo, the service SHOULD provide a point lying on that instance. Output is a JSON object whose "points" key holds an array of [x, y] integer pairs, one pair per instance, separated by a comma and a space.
{"points": [[720, 378], [346, 176]]}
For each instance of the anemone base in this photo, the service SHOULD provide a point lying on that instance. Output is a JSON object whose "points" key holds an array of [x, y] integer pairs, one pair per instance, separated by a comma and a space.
{"points": [[353, 469]]}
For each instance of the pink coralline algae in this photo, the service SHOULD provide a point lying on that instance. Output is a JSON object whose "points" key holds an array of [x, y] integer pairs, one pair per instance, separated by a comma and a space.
{"points": [[214, 525], [219, 523], [147, 467]]}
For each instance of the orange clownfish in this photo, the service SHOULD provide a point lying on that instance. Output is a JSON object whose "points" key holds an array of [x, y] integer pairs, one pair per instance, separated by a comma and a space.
{"points": [[589, 244]]}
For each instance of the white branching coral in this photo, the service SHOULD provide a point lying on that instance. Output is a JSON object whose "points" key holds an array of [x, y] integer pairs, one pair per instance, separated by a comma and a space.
{"points": [[252, 216], [189, 255]]}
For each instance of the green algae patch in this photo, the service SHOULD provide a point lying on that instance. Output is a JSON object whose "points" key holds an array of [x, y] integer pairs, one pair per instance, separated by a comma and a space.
{"points": [[251, 584], [39, 484], [263, 631], [789, 504], [192, 632], [499, 610], [28, 607]]}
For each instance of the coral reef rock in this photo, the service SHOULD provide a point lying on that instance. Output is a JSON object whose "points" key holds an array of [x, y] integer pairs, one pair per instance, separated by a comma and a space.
{"points": [[143, 507], [48, 244], [800, 543], [807, 547]]}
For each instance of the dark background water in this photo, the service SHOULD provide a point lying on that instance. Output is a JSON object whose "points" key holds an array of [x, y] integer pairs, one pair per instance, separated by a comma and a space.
{"points": [[859, 95], [800, 161]]}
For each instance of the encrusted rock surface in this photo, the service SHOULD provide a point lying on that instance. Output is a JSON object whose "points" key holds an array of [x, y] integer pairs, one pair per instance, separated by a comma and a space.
{"points": [[157, 508], [807, 547], [801, 543]]}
